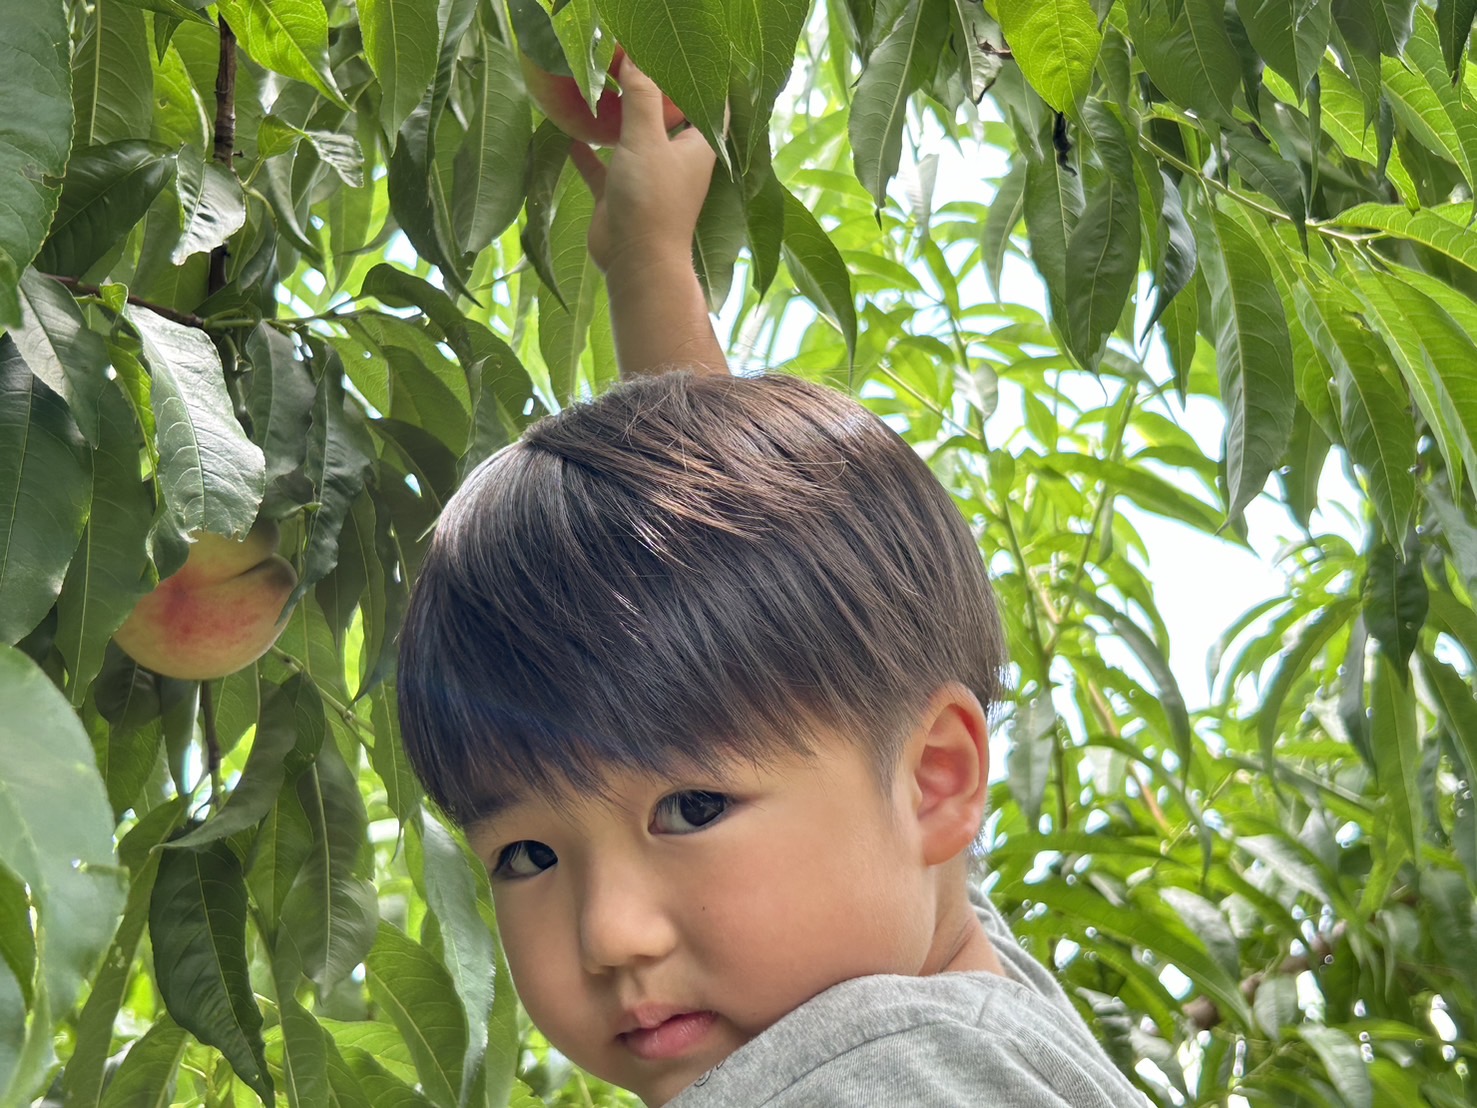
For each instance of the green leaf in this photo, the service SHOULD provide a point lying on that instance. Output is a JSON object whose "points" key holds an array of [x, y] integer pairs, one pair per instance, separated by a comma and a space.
{"points": [[1253, 358], [1397, 750], [719, 238], [113, 77], [255, 793], [107, 574], [34, 58], [683, 46], [402, 41], [1308, 643], [764, 219], [146, 1077], [339, 460], [280, 402], [1373, 408], [212, 208], [45, 494], [211, 474], [61, 349], [331, 912], [547, 153], [412, 987], [106, 193], [468, 950], [304, 1053], [197, 922], [1396, 601], [83, 1076], [278, 852], [564, 321], [1188, 54], [764, 34], [1342, 1060], [289, 37], [487, 182], [56, 835], [1056, 45], [1454, 704], [1454, 27], [1006, 209], [1267, 172], [1292, 35], [1432, 351], [1102, 257], [895, 70], [1442, 229], [1033, 745], [819, 271]]}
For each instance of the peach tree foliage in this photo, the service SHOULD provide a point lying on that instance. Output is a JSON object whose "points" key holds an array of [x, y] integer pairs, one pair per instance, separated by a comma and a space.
{"points": [[314, 259]]}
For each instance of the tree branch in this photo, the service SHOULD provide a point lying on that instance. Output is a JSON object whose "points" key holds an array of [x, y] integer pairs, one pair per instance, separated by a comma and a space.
{"points": [[186, 319]]}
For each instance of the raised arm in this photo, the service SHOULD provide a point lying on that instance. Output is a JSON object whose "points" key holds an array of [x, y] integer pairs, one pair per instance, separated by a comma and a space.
{"points": [[647, 202]]}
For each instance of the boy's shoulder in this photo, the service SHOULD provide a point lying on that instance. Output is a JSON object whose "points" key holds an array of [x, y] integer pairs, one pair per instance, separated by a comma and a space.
{"points": [[947, 1039]]}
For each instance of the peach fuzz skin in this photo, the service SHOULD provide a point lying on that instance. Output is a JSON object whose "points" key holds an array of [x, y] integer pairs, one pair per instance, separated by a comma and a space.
{"points": [[217, 614], [560, 99]]}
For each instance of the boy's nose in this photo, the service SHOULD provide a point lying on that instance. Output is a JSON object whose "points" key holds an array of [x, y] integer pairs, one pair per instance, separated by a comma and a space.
{"points": [[622, 921]]}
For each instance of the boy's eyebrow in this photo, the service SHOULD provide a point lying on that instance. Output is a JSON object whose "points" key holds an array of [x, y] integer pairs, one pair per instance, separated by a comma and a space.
{"points": [[488, 807]]}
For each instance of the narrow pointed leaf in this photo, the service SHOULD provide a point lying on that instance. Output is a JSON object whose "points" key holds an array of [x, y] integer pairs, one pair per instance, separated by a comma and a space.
{"points": [[197, 922], [56, 837], [212, 208], [1253, 359], [487, 182], [59, 347], [146, 1076], [419, 996], [1187, 53], [45, 494], [107, 573], [564, 322], [113, 76], [402, 41], [106, 193], [468, 950], [1056, 45], [211, 473], [878, 108], [33, 70], [683, 47], [819, 270], [289, 37]]}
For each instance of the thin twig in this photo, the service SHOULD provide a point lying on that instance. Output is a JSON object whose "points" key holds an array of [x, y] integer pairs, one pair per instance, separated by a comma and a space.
{"points": [[186, 319]]}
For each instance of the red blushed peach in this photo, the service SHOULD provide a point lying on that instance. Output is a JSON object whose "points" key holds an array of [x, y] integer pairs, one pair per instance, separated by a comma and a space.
{"points": [[218, 613]]}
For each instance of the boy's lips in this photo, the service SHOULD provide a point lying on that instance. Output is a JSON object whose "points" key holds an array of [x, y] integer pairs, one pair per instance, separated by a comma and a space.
{"points": [[657, 1033]]}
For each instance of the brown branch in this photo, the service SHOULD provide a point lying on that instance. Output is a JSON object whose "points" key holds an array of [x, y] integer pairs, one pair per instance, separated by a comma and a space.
{"points": [[225, 138], [186, 319]]}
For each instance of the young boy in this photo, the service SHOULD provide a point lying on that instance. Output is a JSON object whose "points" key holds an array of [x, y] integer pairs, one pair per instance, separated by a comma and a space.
{"points": [[703, 667]]}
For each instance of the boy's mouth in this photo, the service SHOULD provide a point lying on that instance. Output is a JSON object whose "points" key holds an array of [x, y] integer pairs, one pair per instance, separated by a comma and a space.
{"points": [[660, 1035]]}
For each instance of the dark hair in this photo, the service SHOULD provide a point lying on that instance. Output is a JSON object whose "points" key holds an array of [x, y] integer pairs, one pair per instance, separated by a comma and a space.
{"points": [[686, 569]]}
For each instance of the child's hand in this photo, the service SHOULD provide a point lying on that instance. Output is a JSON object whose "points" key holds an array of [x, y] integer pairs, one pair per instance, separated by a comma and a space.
{"points": [[648, 198]]}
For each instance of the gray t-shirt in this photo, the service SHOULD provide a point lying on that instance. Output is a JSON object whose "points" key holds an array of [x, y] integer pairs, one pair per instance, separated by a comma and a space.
{"points": [[972, 1039]]}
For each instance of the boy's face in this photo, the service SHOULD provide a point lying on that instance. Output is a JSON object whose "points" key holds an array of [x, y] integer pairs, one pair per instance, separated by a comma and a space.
{"points": [[651, 936]]}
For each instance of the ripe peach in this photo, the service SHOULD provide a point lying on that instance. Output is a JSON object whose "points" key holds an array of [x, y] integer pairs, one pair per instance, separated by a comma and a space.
{"points": [[560, 99], [218, 613]]}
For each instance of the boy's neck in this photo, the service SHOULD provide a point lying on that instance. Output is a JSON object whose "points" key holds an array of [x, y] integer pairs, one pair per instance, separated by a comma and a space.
{"points": [[961, 944]]}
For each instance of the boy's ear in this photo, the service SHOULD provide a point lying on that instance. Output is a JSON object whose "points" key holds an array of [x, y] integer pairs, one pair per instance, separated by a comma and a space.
{"points": [[946, 766]]}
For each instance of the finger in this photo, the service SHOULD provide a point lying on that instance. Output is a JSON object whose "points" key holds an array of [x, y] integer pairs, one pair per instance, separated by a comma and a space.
{"points": [[641, 106], [695, 149], [591, 168]]}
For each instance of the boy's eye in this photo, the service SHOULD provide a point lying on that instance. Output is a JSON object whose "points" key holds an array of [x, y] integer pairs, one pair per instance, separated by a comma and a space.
{"points": [[685, 812], [525, 858]]}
